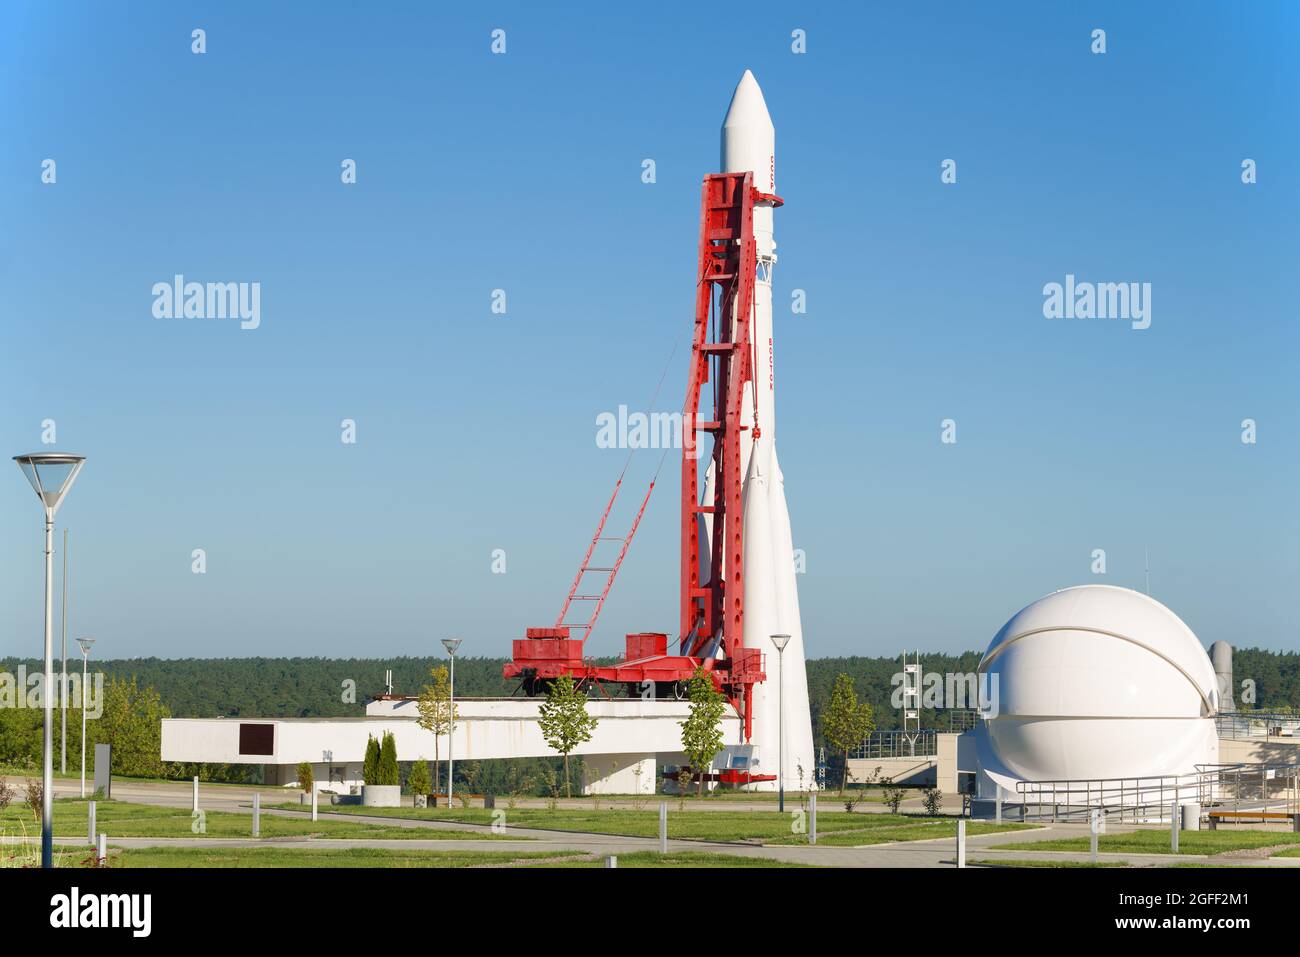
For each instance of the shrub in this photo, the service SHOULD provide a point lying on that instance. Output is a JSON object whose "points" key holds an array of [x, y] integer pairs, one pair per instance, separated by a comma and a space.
{"points": [[36, 797], [420, 782], [551, 785], [893, 795], [306, 779], [6, 794], [933, 801]]}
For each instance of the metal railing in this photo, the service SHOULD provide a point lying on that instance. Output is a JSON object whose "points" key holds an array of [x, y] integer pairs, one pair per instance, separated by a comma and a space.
{"points": [[962, 719], [1257, 724], [898, 744], [1150, 799]]}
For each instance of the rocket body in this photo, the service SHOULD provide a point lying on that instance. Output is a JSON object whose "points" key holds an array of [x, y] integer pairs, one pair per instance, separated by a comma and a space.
{"points": [[771, 593]]}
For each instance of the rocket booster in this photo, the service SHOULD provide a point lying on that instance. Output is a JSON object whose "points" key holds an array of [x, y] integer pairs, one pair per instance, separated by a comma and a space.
{"points": [[749, 144], [772, 599]]}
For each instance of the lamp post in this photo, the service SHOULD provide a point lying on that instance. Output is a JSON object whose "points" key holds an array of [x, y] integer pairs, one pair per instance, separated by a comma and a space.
{"points": [[85, 644], [63, 671], [51, 475], [780, 641], [451, 644]]}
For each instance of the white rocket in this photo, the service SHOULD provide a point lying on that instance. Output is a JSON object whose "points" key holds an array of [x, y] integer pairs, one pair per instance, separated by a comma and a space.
{"points": [[771, 596]]}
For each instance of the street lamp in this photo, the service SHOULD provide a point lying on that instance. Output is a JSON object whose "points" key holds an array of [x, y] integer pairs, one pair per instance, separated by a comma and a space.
{"points": [[451, 644], [780, 641], [85, 644], [51, 475], [63, 669]]}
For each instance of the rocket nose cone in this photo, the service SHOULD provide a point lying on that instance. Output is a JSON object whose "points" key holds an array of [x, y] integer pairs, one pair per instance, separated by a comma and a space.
{"points": [[748, 108]]}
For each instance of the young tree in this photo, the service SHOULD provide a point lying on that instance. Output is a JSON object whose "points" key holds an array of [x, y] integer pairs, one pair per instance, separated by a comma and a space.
{"points": [[702, 729], [846, 722], [437, 714], [564, 721], [306, 779], [370, 770], [387, 771]]}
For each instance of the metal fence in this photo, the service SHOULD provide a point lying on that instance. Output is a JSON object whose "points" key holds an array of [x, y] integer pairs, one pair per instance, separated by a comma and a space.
{"points": [[898, 744], [1257, 724], [962, 719], [1259, 787]]}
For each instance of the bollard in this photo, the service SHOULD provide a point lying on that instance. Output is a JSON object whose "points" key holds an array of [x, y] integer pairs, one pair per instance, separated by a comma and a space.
{"points": [[90, 831], [101, 849], [998, 813], [663, 827], [961, 842], [1094, 819], [194, 802], [257, 815], [1295, 823], [812, 818], [1173, 828], [313, 804], [611, 861]]}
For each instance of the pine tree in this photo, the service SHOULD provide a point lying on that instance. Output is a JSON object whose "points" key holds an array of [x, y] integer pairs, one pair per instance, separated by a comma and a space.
{"points": [[387, 771], [370, 770]]}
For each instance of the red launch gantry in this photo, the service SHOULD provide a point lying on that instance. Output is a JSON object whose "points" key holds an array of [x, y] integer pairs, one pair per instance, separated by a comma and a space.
{"points": [[712, 609]]}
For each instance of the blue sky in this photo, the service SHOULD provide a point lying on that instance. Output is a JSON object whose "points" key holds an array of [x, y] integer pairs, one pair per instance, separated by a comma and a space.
{"points": [[522, 171]]}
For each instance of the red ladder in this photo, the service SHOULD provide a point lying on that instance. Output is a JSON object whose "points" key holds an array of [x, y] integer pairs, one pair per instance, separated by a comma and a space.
{"points": [[586, 565]]}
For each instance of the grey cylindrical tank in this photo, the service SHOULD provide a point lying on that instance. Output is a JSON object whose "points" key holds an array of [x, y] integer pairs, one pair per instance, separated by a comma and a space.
{"points": [[1221, 659]]}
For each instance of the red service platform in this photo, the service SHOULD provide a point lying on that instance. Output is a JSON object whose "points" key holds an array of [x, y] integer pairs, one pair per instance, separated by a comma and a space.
{"points": [[711, 606]]}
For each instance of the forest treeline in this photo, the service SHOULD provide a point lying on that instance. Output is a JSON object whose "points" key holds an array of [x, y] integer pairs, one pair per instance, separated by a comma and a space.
{"points": [[340, 687]]}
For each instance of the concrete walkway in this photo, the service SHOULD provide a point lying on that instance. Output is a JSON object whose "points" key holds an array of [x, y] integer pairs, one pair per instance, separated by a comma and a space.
{"points": [[938, 852]]}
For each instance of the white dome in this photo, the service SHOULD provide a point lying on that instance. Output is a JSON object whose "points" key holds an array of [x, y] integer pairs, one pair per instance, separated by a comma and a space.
{"points": [[1095, 682]]}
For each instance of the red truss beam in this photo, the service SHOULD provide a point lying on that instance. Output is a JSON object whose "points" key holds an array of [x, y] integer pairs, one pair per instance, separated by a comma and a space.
{"points": [[720, 351]]}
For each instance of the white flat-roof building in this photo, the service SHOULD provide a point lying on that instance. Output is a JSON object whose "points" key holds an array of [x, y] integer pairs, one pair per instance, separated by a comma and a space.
{"points": [[630, 737]]}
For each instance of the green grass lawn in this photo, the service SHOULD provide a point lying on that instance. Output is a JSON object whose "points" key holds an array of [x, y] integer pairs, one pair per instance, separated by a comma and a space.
{"points": [[1045, 863], [1157, 842], [765, 824], [123, 819], [917, 829]]}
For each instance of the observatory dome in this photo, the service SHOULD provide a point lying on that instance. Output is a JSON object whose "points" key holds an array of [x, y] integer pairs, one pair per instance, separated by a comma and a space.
{"points": [[1096, 682]]}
